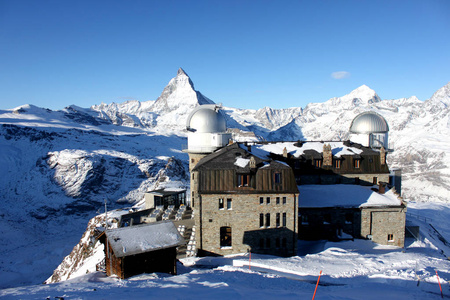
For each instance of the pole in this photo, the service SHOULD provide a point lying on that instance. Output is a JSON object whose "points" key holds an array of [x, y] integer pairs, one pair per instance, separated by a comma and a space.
{"points": [[317, 284], [249, 259], [440, 287]]}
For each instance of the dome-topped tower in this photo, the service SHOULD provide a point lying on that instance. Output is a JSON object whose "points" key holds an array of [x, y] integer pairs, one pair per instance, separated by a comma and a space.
{"points": [[207, 129], [370, 129]]}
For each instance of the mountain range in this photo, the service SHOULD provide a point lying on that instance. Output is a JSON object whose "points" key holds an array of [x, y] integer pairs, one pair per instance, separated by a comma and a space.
{"points": [[59, 167]]}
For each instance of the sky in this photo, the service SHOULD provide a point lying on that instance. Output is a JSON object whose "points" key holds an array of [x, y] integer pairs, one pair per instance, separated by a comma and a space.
{"points": [[243, 54]]}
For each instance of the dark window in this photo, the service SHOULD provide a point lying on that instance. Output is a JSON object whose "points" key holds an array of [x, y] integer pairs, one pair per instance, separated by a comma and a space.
{"points": [[390, 237], [278, 200], [277, 220], [220, 203], [284, 243], [277, 242], [284, 200], [337, 164], [348, 218], [225, 236], [318, 163], [229, 203], [268, 200], [267, 243], [304, 220], [261, 220], [267, 220], [277, 178], [261, 200], [261, 243], [284, 219], [243, 180]]}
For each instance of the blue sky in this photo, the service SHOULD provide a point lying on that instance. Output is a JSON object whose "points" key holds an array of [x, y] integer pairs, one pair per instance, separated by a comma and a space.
{"points": [[245, 54]]}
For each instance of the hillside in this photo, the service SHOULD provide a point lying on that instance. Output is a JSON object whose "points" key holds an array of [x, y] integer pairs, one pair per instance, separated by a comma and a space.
{"points": [[58, 167]]}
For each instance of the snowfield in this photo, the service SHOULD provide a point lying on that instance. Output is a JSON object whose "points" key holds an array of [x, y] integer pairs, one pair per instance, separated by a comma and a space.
{"points": [[356, 269]]}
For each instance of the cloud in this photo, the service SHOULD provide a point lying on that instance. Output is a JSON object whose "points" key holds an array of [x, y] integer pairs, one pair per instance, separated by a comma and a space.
{"points": [[340, 75]]}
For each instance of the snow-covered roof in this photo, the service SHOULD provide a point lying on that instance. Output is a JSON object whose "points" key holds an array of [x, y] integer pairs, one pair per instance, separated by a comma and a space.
{"points": [[295, 149], [344, 195], [138, 239]]}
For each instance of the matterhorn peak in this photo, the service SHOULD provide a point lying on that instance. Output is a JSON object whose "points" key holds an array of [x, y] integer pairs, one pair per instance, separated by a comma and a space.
{"points": [[179, 92]]}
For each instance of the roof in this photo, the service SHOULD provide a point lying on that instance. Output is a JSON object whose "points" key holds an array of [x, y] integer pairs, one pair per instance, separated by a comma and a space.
{"points": [[132, 240], [167, 191], [369, 122], [310, 149], [237, 157], [344, 195]]}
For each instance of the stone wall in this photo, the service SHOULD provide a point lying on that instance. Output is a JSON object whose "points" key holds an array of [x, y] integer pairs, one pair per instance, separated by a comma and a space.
{"points": [[244, 220], [385, 225]]}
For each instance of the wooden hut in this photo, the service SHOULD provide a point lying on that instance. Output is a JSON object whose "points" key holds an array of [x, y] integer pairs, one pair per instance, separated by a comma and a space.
{"points": [[141, 249]]}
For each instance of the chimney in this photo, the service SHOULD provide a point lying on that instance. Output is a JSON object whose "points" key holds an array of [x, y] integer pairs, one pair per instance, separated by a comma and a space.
{"points": [[381, 187], [382, 156], [285, 153], [327, 155], [252, 163]]}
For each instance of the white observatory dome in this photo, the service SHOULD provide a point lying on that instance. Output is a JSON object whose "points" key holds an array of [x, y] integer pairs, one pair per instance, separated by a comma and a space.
{"points": [[369, 122], [207, 129], [206, 119], [370, 129]]}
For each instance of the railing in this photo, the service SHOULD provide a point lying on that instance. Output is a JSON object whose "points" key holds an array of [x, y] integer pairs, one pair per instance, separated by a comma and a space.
{"points": [[420, 218]]}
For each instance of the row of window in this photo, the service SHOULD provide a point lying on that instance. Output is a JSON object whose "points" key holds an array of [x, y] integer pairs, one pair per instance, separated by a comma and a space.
{"points": [[280, 220], [264, 243], [244, 180], [337, 163], [277, 200]]}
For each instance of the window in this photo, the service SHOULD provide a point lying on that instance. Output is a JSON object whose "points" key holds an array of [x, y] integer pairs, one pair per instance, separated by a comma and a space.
{"points": [[357, 163], [243, 180], [277, 178], [284, 219], [267, 243], [277, 220], [225, 236], [348, 218], [220, 203], [278, 200], [277, 243], [284, 243], [318, 163], [268, 200], [261, 243], [305, 220], [284, 200], [261, 200], [229, 203], [337, 164], [390, 237], [193, 177], [261, 220], [267, 220]]}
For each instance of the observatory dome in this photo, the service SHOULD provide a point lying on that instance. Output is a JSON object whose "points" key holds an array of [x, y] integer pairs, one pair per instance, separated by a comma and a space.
{"points": [[206, 119], [369, 122]]}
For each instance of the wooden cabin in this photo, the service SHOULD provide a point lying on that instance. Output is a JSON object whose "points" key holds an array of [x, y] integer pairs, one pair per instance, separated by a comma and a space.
{"points": [[141, 249]]}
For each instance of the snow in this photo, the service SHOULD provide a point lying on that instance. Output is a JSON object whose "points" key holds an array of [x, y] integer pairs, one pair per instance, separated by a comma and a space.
{"points": [[341, 195], [242, 162]]}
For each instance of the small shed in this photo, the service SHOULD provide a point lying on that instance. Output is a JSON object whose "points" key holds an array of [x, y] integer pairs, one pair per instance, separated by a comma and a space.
{"points": [[141, 249], [165, 197]]}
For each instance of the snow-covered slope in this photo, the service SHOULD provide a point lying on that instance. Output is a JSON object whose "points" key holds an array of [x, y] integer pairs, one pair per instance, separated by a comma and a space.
{"points": [[58, 167]]}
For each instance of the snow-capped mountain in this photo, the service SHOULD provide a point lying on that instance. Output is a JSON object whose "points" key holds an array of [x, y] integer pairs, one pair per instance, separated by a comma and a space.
{"points": [[58, 167]]}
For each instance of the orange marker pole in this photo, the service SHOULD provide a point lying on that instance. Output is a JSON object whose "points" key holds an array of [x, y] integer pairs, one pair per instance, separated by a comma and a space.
{"points": [[317, 284], [442, 295]]}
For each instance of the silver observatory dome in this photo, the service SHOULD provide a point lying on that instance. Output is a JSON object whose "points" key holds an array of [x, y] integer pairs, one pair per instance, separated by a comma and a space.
{"points": [[369, 122], [206, 119]]}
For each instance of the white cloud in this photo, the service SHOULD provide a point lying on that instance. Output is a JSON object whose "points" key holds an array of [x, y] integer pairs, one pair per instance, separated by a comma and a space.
{"points": [[340, 75]]}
